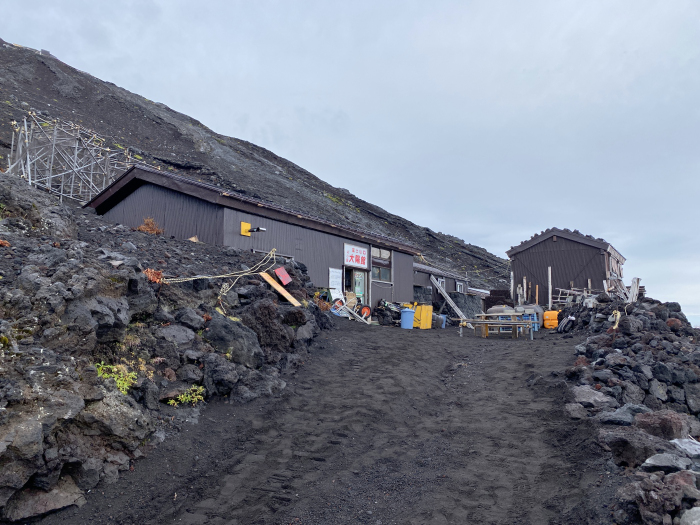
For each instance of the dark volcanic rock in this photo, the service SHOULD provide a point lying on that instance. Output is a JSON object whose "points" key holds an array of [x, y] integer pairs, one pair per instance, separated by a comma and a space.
{"points": [[231, 337]]}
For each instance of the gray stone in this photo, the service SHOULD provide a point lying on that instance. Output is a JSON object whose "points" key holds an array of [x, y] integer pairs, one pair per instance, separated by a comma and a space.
{"points": [[88, 474], [35, 502], [235, 339], [622, 416], [305, 333], [630, 446], [632, 394], [254, 383], [591, 398], [658, 390], [689, 447], [666, 463], [176, 334], [189, 318], [119, 416], [28, 439], [691, 517], [190, 374], [220, 375], [677, 394], [576, 411], [692, 396], [603, 375], [662, 372]]}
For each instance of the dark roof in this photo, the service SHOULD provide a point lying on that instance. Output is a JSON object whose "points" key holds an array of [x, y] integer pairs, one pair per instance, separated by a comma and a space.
{"points": [[141, 174], [574, 235], [436, 271]]}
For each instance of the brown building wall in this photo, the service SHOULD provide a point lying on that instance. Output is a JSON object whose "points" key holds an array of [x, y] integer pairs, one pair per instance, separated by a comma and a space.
{"points": [[570, 261], [178, 214]]}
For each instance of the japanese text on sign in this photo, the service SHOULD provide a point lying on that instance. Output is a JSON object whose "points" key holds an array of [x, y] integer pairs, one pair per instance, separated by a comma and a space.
{"points": [[356, 256]]}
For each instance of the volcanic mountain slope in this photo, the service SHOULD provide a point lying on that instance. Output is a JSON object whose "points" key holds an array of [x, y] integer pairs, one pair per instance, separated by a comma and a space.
{"points": [[161, 136]]}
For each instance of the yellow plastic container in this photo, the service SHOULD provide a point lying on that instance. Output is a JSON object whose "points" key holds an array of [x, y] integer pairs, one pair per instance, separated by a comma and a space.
{"points": [[551, 319], [423, 318]]}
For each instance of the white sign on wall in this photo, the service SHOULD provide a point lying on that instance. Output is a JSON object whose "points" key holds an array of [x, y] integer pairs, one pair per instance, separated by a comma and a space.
{"points": [[356, 256], [335, 278]]}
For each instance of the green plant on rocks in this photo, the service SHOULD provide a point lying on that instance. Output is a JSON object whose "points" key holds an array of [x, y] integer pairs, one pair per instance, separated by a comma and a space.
{"points": [[193, 395], [121, 375]]}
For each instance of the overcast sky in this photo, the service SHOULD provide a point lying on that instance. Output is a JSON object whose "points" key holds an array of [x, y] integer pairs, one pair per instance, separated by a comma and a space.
{"points": [[487, 120]]}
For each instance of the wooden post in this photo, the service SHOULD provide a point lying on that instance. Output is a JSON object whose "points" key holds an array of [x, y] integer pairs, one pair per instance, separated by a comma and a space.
{"points": [[589, 285], [549, 283], [524, 289], [537, 294]]}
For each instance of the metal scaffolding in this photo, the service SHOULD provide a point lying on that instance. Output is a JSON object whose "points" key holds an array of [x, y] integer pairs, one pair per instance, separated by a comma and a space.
{"points": [[64, 158]]}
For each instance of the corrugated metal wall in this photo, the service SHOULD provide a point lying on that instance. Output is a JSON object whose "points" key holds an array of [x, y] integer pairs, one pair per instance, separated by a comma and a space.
{"points": [[402, 274], [317, 250], [178, 214], [183, 216], [423, 279], [570, 261]]}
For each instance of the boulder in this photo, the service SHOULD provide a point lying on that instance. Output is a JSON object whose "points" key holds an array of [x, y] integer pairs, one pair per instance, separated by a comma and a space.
{"points": [[692, 396], [189, 318], [631, 446], [234, 339], [689, 447], [632, 394], [665, 424], [658, 390], [591, 398], [34, 502], [118, 416], [190, 374], [176, 334], [254, 383], [662, 372], [622, 416], [220, 374], [666, 463], [263, 318], [576, 411], [691, 517]]}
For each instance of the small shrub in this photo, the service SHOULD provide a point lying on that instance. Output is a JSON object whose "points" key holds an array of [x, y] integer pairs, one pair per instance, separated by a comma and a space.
{"points": [[150, 226], [124, 379], [194, 395]]}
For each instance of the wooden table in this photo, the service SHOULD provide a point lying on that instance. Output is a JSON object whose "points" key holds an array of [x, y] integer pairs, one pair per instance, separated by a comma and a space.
{"points": [[486, 320]]}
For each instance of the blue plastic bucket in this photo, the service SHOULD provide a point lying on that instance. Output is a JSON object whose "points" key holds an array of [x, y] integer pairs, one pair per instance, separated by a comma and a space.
{"points": [[407, 318], [444, 320]]}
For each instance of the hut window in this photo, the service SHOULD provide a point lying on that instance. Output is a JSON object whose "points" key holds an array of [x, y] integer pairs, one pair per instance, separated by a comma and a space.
{"points": [[460, 287], [381, 274], [381, 264]]}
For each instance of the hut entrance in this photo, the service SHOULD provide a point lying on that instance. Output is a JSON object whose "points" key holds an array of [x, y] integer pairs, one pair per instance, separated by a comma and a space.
{"points": [[356, 282]]}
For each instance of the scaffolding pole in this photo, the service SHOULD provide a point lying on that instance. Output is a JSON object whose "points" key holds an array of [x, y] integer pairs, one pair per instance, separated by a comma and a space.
{"points": [[64, 158]]}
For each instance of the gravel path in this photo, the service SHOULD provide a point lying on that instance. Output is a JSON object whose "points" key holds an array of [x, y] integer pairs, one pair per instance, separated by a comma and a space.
{"points": [[381, 426]]}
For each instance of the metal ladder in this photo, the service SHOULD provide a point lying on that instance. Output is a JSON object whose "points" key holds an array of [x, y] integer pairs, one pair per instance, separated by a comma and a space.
{"points": [[452, 304]]}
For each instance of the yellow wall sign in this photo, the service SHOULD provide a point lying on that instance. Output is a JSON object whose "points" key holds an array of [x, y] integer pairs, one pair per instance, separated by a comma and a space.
{"points": [[245, 229]]}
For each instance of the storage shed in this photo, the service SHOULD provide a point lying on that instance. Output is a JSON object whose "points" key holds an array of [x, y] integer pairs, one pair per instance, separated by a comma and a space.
{"points": [[572, 259], [373, 266]]}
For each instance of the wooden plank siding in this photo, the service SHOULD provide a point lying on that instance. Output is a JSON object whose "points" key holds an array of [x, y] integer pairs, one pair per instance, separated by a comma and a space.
{"points": [[569, 260]]}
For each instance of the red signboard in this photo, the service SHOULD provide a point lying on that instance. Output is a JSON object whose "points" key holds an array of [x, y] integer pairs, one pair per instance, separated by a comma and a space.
{"points": [[356, 256], [283, 276]]}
